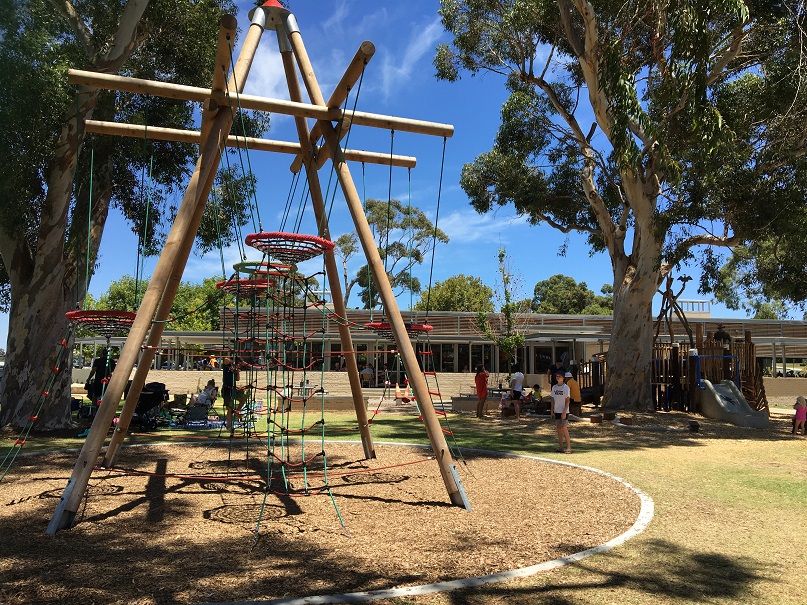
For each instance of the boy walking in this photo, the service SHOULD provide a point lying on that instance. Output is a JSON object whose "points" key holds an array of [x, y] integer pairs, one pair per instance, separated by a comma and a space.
{"points": [[560, 411]]}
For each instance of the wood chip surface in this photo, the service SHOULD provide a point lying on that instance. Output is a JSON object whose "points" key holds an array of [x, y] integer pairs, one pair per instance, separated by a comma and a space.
{"points": [[198, 527]]}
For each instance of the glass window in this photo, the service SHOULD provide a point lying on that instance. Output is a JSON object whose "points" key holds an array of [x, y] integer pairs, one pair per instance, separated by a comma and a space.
{"points": [[447, 358], [542, 359], [336, 357], [464, 357]]}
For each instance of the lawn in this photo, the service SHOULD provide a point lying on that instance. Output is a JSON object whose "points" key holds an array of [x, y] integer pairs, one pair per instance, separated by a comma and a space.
{"points": [[730, 505]]}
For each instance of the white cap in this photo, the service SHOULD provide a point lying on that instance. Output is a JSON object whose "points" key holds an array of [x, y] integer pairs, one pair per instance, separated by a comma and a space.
{"points": [[568, 375]]}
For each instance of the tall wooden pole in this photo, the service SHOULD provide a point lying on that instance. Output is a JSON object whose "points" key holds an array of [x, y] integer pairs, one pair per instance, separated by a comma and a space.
{"points": [[331, 269], [227, 32], [200, 95], [140, 131], [413, 371], [173, 258]]}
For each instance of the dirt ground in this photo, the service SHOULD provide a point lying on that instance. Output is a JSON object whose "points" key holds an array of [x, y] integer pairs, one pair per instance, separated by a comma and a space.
{"points": [[196, 526]]}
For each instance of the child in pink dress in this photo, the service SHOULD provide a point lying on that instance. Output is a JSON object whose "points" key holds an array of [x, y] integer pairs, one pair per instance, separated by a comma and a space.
{"points": [[801, 415]]}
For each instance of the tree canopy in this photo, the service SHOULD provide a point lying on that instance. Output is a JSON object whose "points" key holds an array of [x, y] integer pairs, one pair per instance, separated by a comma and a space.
{"points": [[561, 294], [58, 185], [196, 306], [457, 293], [405, 236], [661, 132]]}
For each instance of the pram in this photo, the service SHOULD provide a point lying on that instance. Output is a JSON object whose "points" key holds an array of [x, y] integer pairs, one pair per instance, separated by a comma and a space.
{"points": [[152, 397]]}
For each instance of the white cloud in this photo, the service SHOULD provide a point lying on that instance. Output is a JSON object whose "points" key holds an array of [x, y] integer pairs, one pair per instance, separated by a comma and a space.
{"points": [[421, 42], [266, 76], [464, 227], [335, 23]]}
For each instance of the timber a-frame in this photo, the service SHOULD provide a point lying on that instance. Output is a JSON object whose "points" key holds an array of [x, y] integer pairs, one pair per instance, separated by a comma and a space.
{"points": [[217, 120]]}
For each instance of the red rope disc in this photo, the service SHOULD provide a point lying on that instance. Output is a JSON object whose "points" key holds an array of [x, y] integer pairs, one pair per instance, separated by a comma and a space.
{"points": [[289, 247], [249, 287], [103, 323]]}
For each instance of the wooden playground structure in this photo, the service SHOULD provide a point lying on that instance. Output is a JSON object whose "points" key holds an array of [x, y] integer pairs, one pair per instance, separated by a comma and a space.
{"points": [[218, 104], [676, 366]]}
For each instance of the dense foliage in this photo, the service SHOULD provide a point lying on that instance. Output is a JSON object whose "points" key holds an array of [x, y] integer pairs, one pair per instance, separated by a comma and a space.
{"points": [[662, 131], [561, 294], [457, 293]]}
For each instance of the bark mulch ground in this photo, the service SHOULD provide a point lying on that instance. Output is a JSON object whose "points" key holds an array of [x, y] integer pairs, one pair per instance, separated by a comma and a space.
{"points": [[189, 531]]}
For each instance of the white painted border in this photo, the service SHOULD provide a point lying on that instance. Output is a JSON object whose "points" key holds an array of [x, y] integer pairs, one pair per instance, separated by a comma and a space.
{"points": [[642, 521], [646, 512]]}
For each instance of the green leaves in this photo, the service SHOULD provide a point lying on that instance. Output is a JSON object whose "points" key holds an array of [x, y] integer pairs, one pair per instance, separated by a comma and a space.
{"points": [[561, 294], [457, 293]]}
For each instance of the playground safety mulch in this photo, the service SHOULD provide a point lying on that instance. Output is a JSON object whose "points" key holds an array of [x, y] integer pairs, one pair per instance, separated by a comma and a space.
{"points": [[197, 528]]}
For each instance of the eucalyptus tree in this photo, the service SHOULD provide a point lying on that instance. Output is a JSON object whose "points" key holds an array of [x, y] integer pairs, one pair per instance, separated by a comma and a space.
{"points": [[58, 186], [663, 131], [404, 236]]}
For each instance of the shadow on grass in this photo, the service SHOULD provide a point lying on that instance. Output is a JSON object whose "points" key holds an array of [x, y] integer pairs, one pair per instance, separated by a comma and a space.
{"points": [[668, 571], [538, 436]]}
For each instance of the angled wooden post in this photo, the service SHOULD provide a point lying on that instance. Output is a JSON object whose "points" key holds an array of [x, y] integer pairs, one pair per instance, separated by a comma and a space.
{"points": [[413, 371], [172, 259], [227, 30], [331, 269]]}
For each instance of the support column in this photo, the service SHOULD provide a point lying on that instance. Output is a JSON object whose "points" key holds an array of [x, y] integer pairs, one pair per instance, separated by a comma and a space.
{"points": [[331, 268], [172, 259], [416, 379]]}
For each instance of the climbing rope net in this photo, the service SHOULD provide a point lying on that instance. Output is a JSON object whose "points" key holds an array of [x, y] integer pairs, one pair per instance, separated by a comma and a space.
{"points": [[278, 328]]}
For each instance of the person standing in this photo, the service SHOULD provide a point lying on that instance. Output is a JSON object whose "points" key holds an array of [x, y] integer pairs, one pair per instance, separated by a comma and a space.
{"points": [[100, 373], [801, 415], [517, 387], [560, 412], [481, 381], [552, 372], [228, 387]]}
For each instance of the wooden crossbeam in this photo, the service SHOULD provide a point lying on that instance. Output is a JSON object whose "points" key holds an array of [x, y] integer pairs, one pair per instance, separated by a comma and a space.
{"points": [[306, 110], [139, 131]]}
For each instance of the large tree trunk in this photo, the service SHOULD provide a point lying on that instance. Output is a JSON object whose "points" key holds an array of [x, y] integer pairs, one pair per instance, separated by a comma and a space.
{"points": [[630, 352], [43, 276], [37, 326], [627, 384]]}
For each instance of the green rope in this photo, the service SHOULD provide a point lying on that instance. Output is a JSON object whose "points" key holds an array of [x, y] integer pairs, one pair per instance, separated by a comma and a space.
{"points": [[254, 208], [140, 268], [411, 233], [216, 206], [347, 138]]}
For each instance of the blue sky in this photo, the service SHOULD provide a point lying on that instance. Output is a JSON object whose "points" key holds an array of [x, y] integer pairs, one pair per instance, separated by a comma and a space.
{"points": [[400, 81]]}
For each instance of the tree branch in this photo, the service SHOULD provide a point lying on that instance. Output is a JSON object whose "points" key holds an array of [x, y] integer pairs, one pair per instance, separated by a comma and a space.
{"points": [[68, 13], [738, 35]]}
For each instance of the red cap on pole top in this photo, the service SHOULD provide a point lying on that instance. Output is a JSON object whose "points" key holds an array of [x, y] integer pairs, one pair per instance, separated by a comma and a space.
{"points": [[269, 14]]}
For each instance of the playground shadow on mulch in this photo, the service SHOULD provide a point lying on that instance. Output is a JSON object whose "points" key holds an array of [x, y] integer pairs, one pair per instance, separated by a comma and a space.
{"points": [[169, 537]]}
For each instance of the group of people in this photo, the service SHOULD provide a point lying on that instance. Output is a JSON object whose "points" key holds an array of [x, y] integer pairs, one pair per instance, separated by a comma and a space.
{"points": [[564, 390]]}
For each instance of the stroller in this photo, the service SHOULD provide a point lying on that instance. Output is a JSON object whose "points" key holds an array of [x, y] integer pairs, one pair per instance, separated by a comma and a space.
{"points": [[152, 397]]}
